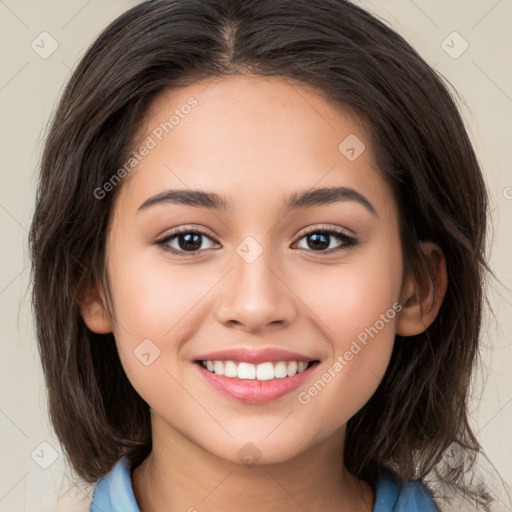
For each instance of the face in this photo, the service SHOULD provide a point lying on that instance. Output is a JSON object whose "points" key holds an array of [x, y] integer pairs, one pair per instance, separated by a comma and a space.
{"points": [[320, 279]]}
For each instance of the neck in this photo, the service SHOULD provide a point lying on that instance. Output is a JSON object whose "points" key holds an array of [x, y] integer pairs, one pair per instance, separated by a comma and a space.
{"points": [[180, 476]]}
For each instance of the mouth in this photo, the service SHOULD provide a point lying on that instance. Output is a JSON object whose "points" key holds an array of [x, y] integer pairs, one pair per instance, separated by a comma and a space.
{"points": [[255, 383]]}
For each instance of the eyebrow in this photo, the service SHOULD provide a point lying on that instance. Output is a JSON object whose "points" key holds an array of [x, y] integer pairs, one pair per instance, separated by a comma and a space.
{"points": [[297, 200]]}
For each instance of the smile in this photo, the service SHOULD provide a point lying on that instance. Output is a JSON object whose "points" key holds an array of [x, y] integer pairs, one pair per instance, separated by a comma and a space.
{"points": [[255, 383]]}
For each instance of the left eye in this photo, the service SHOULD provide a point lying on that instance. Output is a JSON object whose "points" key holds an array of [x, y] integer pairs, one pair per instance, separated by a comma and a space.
{"points": [[318, 238], [189, 241]]}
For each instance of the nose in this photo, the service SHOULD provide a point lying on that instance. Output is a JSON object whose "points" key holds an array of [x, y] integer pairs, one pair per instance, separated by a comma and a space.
{"points": [[255, 296]]}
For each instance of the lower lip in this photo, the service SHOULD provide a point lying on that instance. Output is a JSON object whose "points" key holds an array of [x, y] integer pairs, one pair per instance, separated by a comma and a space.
{"points": [[255, 391]]}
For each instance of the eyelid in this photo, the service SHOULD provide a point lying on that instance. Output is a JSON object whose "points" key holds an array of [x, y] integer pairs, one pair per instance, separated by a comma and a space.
{"points": [[185, 228], [303, 232], [326, 227]]}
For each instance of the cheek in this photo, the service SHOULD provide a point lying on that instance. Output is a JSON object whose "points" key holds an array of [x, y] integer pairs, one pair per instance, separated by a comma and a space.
{"points": [[158, 307], [357, 316], [347, 298], [361, 339], [153, 296]]}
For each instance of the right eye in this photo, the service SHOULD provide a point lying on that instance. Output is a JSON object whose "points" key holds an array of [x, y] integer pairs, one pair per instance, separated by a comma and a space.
{"points": [[186, 242]]}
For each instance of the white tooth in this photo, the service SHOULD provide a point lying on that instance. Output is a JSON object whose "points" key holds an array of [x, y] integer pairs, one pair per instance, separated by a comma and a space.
{"points": [[280, 370], [230, 369], [292, 368], [301, 366], [218, 366], [265, 371], [246, 371]]}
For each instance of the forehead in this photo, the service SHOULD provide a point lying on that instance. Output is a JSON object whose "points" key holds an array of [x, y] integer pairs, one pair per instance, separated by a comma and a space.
{"points": [[252, 138]]}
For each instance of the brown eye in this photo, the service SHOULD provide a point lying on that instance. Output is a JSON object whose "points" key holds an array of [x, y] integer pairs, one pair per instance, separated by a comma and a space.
{"points": [[320, 240], [184, 241]]}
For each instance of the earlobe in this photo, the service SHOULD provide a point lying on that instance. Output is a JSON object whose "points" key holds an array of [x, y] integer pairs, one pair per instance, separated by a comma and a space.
{"points": [[421, 301], [93, 310]]}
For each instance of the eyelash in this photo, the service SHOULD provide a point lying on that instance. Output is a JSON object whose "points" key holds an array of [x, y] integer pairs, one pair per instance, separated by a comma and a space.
{"points": [[349, 242]]}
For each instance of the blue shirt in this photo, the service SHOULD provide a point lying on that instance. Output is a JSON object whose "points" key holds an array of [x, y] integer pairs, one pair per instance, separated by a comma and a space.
{"points": [[114, 493]]}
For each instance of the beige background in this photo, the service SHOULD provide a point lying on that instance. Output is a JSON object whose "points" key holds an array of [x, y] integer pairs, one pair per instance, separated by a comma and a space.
{"points": [[29, 89]]}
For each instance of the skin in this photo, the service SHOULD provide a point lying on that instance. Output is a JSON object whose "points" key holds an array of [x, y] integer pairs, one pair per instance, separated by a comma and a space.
{"points": [[254, 141]]}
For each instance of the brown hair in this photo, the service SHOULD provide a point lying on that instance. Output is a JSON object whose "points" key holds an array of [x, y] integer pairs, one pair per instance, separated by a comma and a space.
{"points": [[421, 147]]}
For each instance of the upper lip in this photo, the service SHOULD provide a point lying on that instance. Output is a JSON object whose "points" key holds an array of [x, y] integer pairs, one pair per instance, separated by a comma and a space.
{"points": [[253, 355]]}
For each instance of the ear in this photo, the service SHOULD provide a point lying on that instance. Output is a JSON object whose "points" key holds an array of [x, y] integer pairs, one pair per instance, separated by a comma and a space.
{"points": [[93, 309], [421, 301]]}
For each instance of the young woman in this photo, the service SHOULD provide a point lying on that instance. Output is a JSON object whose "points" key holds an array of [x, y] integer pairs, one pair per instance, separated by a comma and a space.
{"points": [[258, 264]]}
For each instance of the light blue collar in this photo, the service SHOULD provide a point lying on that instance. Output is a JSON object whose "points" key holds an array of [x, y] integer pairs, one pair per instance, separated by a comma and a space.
{"points": [[114, 493]]}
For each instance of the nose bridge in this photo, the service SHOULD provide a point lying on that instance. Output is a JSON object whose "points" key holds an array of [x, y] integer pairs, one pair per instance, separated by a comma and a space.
{"points": [[255, 294], [253, 267]]}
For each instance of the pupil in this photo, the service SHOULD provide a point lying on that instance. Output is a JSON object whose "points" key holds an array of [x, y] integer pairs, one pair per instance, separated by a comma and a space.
{"points": [[318, 240], [188, 237]]}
